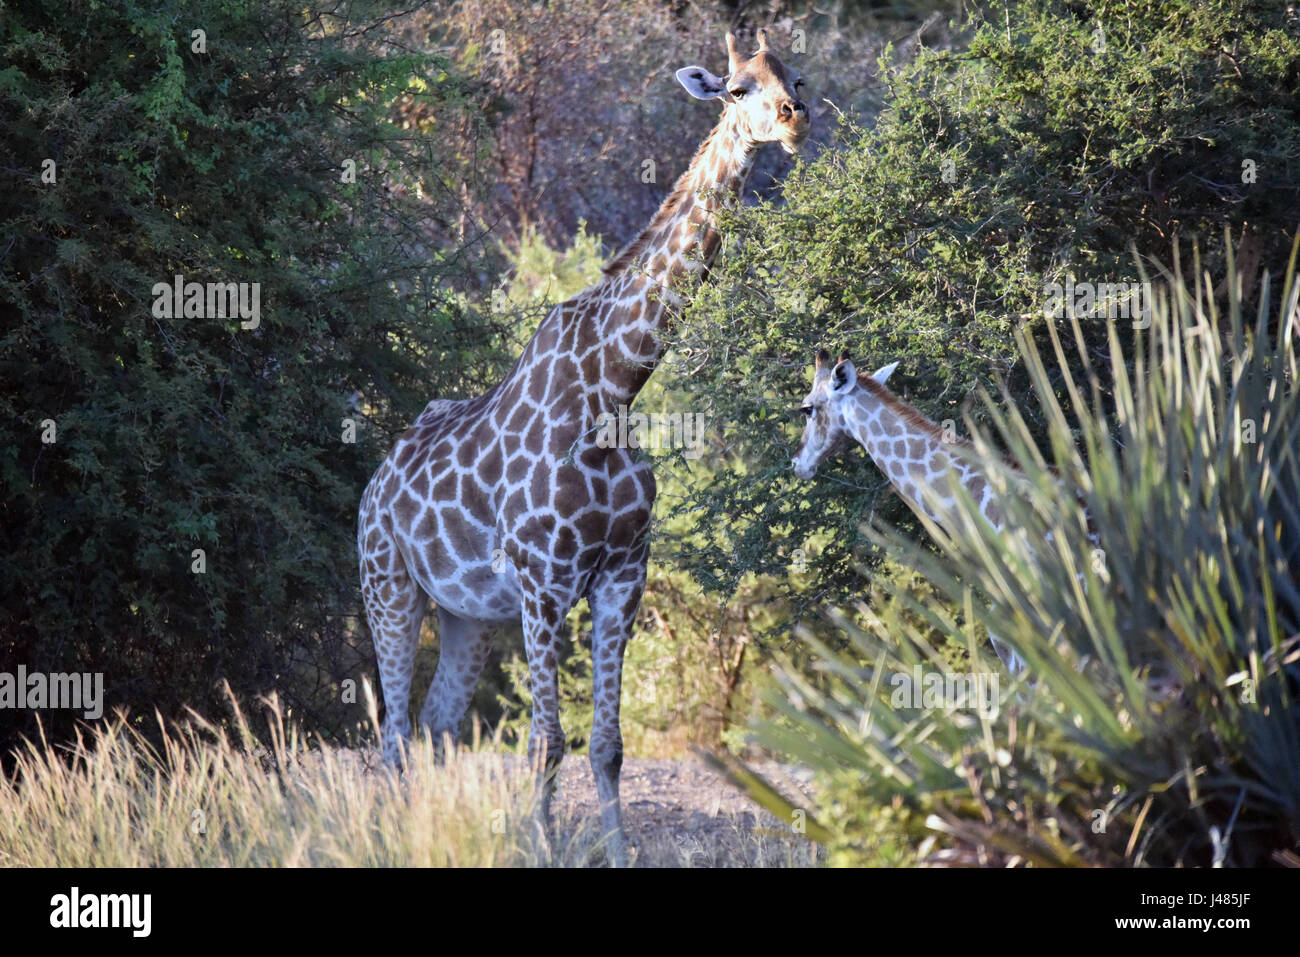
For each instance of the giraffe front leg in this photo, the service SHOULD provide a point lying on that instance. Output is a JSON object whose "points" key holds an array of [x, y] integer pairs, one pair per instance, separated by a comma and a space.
{"points": [[614, 599], [543, 620]]}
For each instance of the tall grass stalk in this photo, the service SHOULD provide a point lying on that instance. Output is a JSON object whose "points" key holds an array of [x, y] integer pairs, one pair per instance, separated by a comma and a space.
{"points": [[214, 797]]}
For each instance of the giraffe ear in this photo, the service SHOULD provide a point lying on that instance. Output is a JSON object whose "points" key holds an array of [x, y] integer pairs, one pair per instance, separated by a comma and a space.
{"points": [[845, 377], [700, 83], [882, 374]]}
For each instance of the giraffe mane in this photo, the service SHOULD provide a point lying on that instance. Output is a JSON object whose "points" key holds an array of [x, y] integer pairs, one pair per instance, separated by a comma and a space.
{"points": [[914, 417], [680, 191], [903, 410], [437, 407]]}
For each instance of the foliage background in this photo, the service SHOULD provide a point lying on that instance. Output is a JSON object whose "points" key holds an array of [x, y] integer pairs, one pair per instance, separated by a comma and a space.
{"points": [[176, 434]]}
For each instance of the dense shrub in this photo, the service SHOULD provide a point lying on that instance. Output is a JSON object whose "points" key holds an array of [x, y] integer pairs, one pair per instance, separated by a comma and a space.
{"points": [[130, 439], [1045, 150]]}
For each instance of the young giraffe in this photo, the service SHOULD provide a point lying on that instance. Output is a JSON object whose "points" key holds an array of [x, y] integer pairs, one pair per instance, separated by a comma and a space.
{"points": [[912, 452], [505, 508]]}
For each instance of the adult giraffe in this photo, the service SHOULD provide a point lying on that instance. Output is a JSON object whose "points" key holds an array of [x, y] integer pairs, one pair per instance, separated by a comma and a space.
{"points": [[505, 507], [922, 464]]}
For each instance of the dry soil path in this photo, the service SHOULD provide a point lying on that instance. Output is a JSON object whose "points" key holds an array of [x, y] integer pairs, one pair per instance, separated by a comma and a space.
{"points": [[681, 812]]}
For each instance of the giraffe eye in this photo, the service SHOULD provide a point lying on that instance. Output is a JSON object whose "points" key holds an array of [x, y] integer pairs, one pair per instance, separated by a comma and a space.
{"points": [[738, 92], [807, 411]]}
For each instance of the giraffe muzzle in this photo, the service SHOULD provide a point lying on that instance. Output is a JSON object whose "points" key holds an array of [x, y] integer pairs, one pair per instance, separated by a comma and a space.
{"points": [[794, 125]]}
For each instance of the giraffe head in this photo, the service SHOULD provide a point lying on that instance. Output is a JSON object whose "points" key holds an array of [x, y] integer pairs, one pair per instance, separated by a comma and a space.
{"points": [[826, 430], [760, 95]]}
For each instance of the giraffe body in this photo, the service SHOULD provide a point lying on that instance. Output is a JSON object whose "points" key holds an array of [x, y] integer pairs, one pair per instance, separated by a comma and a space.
{"points": [[505, 508]]}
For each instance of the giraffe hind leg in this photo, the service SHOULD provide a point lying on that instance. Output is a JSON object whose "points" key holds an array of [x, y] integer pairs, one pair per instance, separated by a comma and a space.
{"points": [[395, 607]]}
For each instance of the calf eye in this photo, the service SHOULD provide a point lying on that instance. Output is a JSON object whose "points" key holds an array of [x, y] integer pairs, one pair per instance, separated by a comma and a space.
{"points": [[807, 410]]}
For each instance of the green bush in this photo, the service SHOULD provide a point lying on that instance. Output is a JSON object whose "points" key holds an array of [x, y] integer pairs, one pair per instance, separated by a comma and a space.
{"points": [[222, 157], [1026, 158], [1158, 723]]}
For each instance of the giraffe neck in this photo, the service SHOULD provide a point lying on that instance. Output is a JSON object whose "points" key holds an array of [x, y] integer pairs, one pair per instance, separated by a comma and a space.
{"points": [[594, 352], [682, 240], [913, 454]]}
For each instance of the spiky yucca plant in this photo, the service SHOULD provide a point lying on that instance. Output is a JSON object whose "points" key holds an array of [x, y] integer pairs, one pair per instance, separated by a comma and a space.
{"points": [[1149, 578]]}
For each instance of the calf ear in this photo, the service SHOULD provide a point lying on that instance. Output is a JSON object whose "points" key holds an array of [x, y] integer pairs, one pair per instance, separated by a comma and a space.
{"points": [[882, 374], [700, 83], [845, 377]]}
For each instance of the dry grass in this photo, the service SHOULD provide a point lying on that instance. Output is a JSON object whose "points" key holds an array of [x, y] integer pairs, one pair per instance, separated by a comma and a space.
{"points": [[214, 797]]}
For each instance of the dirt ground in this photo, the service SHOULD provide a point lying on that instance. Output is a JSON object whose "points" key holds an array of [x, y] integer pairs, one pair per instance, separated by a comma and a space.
{"points": [[680, 813]]}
